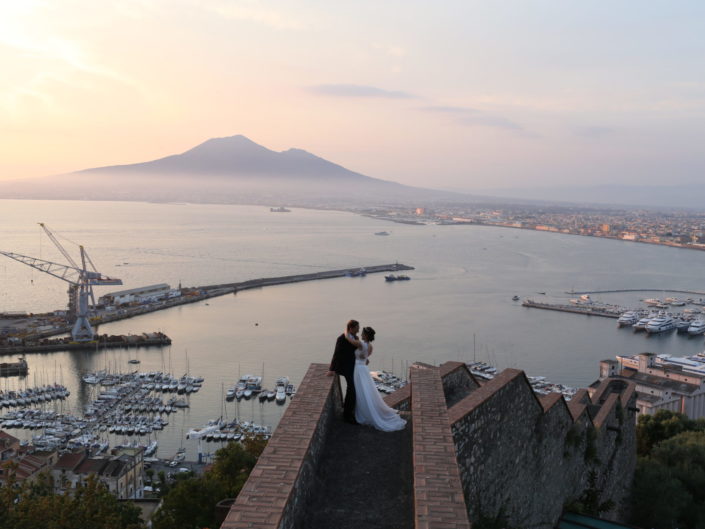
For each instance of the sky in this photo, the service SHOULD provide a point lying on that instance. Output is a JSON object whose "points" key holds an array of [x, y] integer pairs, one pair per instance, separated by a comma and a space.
{"points": [[460, 95]]}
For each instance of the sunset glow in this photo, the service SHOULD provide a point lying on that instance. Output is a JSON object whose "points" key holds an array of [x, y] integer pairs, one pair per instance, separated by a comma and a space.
{"points": [[467, 96]]}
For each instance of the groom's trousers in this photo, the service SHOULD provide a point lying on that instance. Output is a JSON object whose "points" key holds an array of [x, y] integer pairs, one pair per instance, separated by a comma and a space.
{"points": [[350, 397]]}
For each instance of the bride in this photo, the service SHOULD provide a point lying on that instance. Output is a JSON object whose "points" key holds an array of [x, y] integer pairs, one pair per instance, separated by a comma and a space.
{"points": [[370, 409]]}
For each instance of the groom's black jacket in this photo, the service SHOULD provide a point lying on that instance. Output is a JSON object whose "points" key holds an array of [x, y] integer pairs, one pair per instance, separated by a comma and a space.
{"points": [[343, 361]]}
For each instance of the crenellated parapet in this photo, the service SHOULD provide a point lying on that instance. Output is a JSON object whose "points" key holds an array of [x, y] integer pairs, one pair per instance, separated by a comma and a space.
{"points": [[471, 447], [527, 456]]}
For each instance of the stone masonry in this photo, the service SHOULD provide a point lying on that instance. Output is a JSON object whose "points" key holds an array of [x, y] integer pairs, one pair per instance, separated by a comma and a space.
{"points": [[491, 448], [525, 457]]}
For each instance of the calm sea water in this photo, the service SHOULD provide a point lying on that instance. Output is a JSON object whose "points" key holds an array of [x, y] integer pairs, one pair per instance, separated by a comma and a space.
{"points": [[456, 307]]}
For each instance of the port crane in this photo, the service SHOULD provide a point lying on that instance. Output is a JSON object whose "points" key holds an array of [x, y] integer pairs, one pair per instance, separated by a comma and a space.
{"points": [[81, 281]]}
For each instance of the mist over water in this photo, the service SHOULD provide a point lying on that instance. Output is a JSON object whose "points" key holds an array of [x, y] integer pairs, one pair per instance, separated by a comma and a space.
{"points": [[456, 307]]}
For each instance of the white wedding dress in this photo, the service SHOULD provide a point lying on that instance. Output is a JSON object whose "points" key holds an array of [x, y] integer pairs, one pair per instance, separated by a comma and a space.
{"points": [[370, 409]]}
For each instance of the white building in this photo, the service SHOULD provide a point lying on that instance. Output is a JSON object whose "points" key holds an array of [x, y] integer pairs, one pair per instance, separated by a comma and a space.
{"points": [[659, 385], [140, 295]]}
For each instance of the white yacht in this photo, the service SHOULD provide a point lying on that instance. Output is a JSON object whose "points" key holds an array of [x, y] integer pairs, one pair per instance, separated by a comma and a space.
{"points": [[652, 301], [661, 323], [281, 394], [682, 325], [696, 327], [642, 323], [628, 318]]}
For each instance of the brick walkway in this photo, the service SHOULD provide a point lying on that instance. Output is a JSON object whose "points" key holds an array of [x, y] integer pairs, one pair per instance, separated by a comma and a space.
{"points": [[365, 481]]}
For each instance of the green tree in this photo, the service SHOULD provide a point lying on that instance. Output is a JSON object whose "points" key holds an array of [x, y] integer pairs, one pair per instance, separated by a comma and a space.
{"points": [[657, 498], [234, 462], [191, 501], [669, 485], [32, 505], [664, 424]]}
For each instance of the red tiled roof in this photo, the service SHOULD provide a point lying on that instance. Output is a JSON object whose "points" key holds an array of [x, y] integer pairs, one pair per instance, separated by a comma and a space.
{"points": [[91, 466], [70, 461]]}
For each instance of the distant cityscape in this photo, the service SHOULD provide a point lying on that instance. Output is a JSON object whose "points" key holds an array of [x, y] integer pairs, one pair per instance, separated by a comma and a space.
{"points": [[679, 228]]}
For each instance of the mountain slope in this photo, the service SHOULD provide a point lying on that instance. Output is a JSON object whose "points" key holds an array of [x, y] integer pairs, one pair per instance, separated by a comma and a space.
{"points": [[229, 170], [235, 156]]}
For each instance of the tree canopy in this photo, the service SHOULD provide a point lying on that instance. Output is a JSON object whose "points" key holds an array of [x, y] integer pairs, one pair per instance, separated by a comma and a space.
{"points": [[191, 501], [34, 504], [664, 424], [669, 484]]}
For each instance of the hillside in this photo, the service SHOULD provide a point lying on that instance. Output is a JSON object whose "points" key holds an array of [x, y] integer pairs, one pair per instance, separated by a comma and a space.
{"points": [[228, 170]]}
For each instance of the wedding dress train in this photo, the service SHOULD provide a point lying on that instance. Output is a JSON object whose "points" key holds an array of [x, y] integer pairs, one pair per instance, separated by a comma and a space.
{"points": [[370, 409]]}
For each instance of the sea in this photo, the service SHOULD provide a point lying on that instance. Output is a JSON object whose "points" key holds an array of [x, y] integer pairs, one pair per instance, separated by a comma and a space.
{"points": [[457, 306]]}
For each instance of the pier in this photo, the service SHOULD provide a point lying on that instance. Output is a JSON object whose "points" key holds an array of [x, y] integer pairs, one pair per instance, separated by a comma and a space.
{"points": [[190, 295], [329, 274], [13, 369], [605, 312], [617, 291], [102, 342]]}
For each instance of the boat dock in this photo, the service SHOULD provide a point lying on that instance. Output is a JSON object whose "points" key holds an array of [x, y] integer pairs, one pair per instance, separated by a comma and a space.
{"points": [[101, 342], [13, 369], [605, 312], [329, 274], [617, 291], [188, 295]]}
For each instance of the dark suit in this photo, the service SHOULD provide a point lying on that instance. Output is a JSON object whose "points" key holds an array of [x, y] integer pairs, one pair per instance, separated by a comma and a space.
{"points": [[343, 363]]}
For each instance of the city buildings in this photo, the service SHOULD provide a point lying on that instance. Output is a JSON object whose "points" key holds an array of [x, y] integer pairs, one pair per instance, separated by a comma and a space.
{"points": [[659, 385]]}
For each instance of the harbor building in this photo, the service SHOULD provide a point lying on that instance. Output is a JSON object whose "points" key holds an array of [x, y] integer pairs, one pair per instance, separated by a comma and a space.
{"points": [[140, 295], [661, 383]]}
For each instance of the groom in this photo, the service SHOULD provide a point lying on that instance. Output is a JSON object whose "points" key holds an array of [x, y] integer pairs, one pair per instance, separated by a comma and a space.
{"points": [[343, 363]]}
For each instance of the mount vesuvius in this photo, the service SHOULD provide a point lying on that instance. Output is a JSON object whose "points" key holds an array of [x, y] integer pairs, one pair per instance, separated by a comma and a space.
{"points": [[228, 170]]}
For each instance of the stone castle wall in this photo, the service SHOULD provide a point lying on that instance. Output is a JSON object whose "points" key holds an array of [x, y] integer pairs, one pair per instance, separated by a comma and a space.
{"points": [[519, 455], [527, 457]]}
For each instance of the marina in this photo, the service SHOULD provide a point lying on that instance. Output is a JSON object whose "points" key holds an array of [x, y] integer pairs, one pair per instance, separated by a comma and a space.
{"points": [[588, 310], [456, 292], [539, 384], [652, 320]]}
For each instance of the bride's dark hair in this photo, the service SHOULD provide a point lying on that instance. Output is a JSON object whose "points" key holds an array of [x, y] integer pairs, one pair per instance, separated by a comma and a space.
{"points": [[369, 332]]}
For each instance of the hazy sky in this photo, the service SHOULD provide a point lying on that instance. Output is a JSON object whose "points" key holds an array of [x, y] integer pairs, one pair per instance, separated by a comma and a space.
{"points": [[454, 94]]}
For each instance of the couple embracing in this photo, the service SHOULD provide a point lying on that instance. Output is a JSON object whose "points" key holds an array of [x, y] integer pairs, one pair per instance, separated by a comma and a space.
{"points": [[363, 404]]}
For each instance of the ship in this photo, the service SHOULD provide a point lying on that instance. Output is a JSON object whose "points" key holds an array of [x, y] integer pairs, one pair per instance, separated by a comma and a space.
{"points": [[400, 277]]}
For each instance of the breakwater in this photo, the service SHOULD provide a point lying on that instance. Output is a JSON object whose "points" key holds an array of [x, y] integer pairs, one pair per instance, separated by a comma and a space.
{"points": [[101, 342], [10, 369], [328, 274], [605, 312], [196, 294], [617, 291]]}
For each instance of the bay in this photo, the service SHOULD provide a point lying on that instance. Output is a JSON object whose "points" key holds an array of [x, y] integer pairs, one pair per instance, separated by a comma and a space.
{"points": [[456, 307]]}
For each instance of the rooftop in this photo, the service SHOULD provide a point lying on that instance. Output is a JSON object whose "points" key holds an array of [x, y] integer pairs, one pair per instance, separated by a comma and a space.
{"points": [[658, 381], [70, 461]]}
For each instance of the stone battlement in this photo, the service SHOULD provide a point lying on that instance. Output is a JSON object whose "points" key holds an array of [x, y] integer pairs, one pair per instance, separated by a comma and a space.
{"points": [[476, 448]]}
